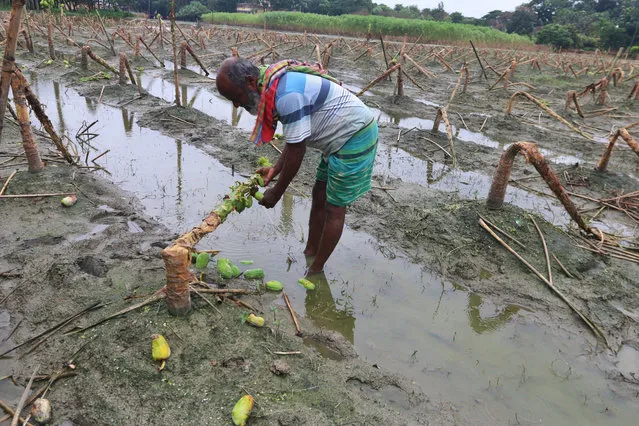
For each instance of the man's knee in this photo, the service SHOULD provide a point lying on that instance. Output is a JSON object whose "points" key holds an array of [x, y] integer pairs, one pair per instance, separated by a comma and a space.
{"points": [[334, 211], [319, 190]]}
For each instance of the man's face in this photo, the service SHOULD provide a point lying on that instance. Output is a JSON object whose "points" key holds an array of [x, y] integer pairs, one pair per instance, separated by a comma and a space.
{"points": [[246, 97]]}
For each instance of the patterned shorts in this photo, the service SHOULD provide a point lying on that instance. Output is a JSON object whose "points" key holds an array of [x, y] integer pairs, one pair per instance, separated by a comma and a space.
{"points": [[348, 172]]}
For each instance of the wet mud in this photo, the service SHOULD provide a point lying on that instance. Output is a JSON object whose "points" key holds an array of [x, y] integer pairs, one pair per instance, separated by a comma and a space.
{"points": [[422, 211]]}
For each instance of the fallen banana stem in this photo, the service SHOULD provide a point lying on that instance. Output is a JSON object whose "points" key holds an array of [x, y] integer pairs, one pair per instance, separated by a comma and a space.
{"points": [[593, 327]]}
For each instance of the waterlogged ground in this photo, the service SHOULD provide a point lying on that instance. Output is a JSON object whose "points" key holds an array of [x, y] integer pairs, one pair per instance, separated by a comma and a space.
{"points": [[415, 285]]}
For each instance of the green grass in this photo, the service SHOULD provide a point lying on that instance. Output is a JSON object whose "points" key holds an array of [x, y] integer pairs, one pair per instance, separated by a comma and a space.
{"points": [[113, 14], [357, 25]]}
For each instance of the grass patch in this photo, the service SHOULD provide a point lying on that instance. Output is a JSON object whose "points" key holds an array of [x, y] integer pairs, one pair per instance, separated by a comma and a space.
{"points": [[356, 25], [105, 13]]}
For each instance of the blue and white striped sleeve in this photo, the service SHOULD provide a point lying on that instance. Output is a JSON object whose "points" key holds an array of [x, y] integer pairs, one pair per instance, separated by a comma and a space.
{"points": [[294, 110]]}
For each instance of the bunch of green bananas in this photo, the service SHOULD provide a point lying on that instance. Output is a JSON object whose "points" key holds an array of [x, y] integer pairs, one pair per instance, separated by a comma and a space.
{"points": [[241, 196]]}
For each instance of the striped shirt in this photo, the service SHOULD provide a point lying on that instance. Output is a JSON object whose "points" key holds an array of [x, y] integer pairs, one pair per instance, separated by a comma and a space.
{"points": [[314, 110]]}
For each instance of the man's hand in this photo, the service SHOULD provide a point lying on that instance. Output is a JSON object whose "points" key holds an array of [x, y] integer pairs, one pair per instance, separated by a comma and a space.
{"points": [[271, 197], [268, 173]]}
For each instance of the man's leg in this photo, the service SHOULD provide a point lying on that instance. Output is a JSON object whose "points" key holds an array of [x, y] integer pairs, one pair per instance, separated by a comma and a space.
{"points": [[333, 227], [317, 219]]}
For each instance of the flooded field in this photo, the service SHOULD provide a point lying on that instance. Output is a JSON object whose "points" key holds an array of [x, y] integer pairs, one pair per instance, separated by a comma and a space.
{"points": [[469, 327]]}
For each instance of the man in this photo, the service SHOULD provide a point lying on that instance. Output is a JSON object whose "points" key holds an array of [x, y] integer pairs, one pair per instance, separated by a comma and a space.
{"points": [[315, 111]]}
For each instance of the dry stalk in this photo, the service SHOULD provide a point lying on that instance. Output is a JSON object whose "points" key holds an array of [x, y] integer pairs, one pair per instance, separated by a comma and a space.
{"points": [[189, 49], [100, 61], [151, 52], [50, 41], [442, 115], [175, 72], [603, 91], [8, 61], [463, 71], [22, 111], [84, 58], [571, 98], [552, 113], [122, 73], [400, 81], [37, 108], [378, 79], [531, 153], [617, 75], [478, 60], [421, 69], [634, 93], [605, 158]]}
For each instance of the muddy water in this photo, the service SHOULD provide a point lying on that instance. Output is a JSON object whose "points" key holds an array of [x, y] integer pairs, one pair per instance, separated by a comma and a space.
{"points": [[492, 361]]}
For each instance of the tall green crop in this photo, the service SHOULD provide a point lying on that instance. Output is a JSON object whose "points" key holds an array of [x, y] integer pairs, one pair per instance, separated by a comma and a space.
{"points": [[356, 25]]}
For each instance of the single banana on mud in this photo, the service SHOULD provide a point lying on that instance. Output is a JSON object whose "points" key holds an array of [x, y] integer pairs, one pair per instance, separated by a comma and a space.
{"points": [[242, 410], [160, 349], [255, 320]]}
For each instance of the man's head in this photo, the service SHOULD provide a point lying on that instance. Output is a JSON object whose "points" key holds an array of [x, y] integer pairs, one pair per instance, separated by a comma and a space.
{"points": [[237, 81]]}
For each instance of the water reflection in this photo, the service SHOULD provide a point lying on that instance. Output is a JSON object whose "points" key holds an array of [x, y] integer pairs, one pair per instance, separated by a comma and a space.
{"points": [[185, 95], [286, 219], [489, 323], [236, 114], [91, 105], [127, 120], [203, 99], [178, 199], [430, 167], [59, 104], [323, 309]]}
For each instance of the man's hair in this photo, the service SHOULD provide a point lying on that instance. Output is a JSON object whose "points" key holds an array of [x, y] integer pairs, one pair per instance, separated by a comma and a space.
{"points": [[239, 69]]}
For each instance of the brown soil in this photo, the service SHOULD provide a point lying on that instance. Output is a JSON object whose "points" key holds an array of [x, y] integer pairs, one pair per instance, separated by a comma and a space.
{"points": [[71, 258]]}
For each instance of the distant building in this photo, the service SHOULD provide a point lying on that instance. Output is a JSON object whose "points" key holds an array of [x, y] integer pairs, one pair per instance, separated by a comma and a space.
{"points": [[262, 6], [245, 8]]}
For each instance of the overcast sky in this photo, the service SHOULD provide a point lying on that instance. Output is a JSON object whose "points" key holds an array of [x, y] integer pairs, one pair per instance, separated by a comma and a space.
{"points": [[470, 8]]}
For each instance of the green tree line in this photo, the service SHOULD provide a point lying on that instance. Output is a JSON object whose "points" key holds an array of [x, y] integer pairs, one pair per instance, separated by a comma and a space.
{"points": [[575, 24]]}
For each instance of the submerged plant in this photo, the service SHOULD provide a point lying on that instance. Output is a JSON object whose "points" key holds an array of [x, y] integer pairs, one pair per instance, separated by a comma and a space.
{"points": [[102, 75]]}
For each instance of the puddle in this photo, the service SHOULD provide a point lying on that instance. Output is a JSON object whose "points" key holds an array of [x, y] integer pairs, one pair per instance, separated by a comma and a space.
{"points": [[427, 102], [199, 97], [465, 135], [488, 360]]}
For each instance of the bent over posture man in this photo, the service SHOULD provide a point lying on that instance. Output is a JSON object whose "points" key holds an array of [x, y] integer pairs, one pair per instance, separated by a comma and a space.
{"points": [[318, 112]]}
